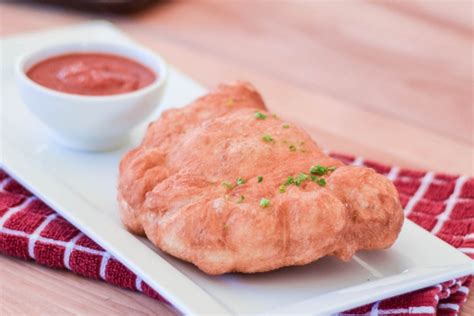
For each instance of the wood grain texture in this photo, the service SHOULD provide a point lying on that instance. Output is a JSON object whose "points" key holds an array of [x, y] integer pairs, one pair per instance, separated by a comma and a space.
{"points": [[26, 289], [363, 54], [342, 70]]}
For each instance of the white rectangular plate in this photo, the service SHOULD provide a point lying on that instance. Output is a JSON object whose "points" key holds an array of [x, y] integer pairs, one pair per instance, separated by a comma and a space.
{"points": [[81, 187]]}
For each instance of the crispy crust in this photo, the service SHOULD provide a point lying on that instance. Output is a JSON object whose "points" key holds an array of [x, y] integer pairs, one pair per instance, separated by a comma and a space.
{"points": [[169, 190]]}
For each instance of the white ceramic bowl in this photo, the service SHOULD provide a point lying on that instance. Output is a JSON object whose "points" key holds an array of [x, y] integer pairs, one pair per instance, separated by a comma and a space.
{"points": [[91, 123]]}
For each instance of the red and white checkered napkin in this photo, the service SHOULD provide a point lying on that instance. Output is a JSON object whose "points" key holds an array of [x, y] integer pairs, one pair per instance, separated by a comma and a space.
{"points": [[442, 204]]}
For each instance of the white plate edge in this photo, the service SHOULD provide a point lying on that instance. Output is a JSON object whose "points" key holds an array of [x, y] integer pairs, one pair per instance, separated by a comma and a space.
{"points": [[199, 296]]}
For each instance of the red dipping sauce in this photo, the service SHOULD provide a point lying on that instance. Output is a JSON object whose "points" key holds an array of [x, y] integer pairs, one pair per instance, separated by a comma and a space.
{"points": [[91, 74]]}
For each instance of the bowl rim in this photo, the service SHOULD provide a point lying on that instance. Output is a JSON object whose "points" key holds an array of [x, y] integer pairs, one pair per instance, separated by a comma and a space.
{"points": [[93, 47]]}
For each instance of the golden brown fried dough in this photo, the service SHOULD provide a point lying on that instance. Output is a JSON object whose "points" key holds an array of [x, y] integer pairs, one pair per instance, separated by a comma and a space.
{"points": [[171, 190]]}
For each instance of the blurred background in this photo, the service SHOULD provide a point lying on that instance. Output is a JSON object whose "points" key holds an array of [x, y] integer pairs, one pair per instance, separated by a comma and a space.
{"points": [[346, 67]]}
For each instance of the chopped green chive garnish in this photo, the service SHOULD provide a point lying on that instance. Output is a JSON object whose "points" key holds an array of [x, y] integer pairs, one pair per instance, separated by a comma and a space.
{"points": [[289, 180], [285, 126], [264, 202], [292, 147], [267, 138], [259, 179], [241, 199], [303, 176], [227, 185], [260, 116], [321, 182], [300, 178], [240, 181], [319, 170]]}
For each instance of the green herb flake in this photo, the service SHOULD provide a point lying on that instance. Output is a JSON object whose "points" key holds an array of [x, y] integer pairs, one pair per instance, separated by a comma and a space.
{"points": [[292, 147], [314, 178], [260, 116], [240, 181], [267, 138], [318, 169], [332, 168], [282, 188], [264, 202], [321, 182], [259, 179], [241, 199], [303, 176], [300, 179], [285, 126], [289, 180], [227, 185]]}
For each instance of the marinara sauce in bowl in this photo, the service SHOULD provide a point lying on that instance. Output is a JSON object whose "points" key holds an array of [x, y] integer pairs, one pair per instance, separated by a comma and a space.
{"points": [[91, 95], [91, 74]]}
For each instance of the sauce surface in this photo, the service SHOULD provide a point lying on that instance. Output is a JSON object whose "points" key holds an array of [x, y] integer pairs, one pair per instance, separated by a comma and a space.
{"points": [[91, 74]]}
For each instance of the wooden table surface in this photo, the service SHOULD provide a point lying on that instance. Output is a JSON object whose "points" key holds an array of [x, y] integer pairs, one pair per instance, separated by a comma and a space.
{"points": [[340, 69]]}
